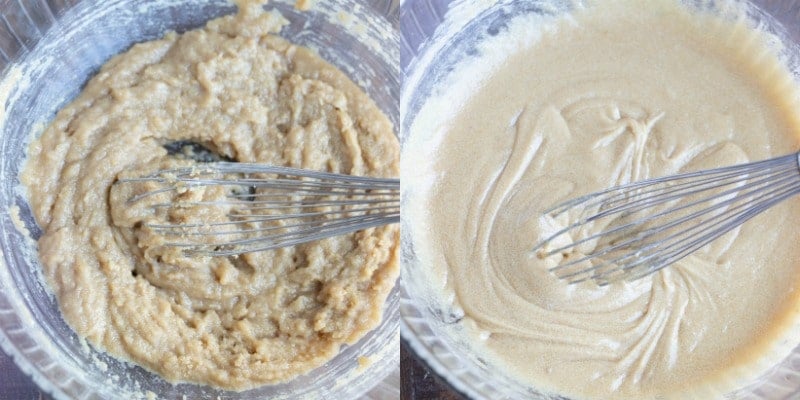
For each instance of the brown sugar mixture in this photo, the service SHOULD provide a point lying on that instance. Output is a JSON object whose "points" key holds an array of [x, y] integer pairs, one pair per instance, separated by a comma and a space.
{"points": [[231, 322]]}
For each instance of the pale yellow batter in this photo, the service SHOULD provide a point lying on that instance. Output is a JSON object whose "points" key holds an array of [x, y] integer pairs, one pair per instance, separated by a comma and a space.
{"points": [[620, 92], [232, 322]]}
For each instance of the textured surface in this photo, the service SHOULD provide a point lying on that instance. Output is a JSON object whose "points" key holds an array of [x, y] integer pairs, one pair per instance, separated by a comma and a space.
{"points": [[233, 322], [28, 322]]}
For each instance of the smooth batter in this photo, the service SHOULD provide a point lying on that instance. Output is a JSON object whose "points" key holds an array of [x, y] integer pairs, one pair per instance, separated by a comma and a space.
{"points": [[617, 93], [232, 322]]}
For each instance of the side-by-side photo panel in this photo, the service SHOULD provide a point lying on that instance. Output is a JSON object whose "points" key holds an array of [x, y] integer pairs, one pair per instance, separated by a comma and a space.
{"points": [[599, 199], [200, 199]]}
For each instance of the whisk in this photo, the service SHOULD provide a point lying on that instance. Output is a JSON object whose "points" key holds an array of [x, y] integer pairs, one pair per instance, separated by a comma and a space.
{"points": [[633, 230], [238, 208]]}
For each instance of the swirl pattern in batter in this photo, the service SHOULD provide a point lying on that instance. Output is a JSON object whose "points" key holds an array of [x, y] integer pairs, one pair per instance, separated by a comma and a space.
{"points": [[620, 92]]}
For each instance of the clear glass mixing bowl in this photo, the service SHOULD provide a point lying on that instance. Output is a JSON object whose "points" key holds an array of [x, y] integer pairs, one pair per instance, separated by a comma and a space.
{"points": [[435, 36], [60, 43]]}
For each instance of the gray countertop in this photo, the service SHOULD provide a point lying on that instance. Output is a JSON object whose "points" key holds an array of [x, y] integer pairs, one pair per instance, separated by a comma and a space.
{"points": [[14, 385]]}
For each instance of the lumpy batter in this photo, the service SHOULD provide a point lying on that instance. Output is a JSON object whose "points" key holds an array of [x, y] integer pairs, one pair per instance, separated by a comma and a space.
{"points": [[617, 93], [232, 322]]}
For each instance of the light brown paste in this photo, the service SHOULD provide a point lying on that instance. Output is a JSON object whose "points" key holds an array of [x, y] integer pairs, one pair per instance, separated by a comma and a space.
{"points": [[231, 322], [622, 91]]}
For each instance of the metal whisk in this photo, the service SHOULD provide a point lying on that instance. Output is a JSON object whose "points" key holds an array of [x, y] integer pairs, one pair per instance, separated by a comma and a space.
{"points": [[633, 230], [224, 209]]}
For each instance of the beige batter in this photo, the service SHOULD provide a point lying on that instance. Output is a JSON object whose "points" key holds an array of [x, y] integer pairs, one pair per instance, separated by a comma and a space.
{"points": [[620, 92], [234, 322]]}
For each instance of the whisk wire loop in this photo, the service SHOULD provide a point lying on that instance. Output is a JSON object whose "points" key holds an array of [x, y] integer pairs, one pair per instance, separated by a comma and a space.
{"points": [[632, 230], [262, 207]]}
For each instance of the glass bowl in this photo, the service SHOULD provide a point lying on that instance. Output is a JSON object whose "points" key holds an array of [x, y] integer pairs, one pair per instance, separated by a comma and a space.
{"points": [[435, 36], [48, 50]]}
